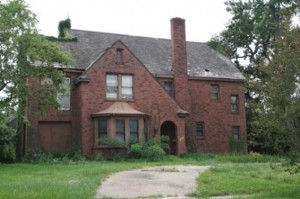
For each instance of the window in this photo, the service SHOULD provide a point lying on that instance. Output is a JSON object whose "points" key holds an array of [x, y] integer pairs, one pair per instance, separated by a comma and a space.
{"points": [[111, 86], [234, 103], [134, 130], [169, 87], [120, 130], [102, 128], [236, 132], [119, 55], [63, 96], [214, 91], [126, 87], [200, 129], [119, 86]]}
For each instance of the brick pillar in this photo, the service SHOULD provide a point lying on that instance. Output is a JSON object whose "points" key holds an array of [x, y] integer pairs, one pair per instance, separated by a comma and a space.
{"points": [[179, 62]]}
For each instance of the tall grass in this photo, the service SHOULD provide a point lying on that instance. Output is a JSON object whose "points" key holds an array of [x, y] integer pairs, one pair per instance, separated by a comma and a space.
{"points": [[230, 175]]}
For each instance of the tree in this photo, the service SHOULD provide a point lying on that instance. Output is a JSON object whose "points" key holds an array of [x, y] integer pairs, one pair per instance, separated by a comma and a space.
{"points": [[279, 114], [26, 55], [255, 33]]}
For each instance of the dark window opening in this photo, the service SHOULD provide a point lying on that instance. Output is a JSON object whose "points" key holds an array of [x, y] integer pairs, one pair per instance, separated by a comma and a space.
{"points": [[102, 128], [134, 130], [119, 55], [200, 129], [236, 132], [120, 130]]}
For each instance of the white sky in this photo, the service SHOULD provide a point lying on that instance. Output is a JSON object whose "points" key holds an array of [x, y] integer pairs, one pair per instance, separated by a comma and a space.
{"points": [[150, 18]]}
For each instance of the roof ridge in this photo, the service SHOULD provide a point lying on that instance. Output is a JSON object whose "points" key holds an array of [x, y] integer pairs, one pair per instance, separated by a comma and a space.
{"points": [[119, 34]]}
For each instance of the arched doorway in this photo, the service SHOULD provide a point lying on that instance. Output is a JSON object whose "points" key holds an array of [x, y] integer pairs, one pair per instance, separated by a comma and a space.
{"points": [[168, 128]]}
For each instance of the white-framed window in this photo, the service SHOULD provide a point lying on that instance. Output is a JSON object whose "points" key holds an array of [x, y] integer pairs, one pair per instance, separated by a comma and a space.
{"points": [[119, 86], [63, 96]]}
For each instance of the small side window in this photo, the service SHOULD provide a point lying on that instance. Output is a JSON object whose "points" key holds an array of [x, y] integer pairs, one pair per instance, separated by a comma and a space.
{"points": [[199, 129], [236, 132], [234, 103], [215, 89]]}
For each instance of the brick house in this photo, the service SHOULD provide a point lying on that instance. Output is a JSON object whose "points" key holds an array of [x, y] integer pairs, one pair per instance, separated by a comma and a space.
{"points": [[133, 88]]}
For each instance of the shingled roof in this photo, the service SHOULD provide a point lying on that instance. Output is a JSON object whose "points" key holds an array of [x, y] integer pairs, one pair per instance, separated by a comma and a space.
{"points": [[155, 54]]}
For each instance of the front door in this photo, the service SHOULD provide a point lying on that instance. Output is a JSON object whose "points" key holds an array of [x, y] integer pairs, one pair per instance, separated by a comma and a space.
{"points": [[168, 128]]}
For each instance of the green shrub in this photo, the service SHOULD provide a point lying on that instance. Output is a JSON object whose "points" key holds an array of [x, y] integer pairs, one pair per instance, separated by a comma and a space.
{"points": [[111, 142], [150, 151], [154, 153], [135, 151], [7, 142], [40, 156]]}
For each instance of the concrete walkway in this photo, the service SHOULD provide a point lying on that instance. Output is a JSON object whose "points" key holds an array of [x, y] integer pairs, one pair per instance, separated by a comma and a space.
{"points": [[154, 182]]}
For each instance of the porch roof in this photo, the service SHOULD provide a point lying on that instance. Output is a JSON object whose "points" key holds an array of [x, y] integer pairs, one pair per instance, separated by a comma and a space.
{"points": [[119, 109]]}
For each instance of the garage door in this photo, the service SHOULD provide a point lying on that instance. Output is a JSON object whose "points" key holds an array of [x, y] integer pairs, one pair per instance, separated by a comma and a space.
{"points": [[55, 136]]}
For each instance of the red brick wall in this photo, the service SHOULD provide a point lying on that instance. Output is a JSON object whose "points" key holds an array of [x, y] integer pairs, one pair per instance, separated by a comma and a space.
{"points": [[149, 96], [216, 115], [32, 138]]}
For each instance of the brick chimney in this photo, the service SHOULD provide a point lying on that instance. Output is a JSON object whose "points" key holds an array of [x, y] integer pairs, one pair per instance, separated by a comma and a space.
{"points": [[179, 61]]}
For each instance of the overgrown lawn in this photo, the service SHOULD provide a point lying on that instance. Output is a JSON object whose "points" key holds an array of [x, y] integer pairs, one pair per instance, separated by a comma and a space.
{"points": [[251, 175]]}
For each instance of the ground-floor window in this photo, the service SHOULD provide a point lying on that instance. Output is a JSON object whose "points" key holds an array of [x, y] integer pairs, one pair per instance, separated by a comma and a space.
{"points": [[236, 132], [123, 130]]}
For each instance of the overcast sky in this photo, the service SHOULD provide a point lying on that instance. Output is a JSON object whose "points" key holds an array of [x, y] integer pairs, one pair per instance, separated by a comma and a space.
{"points": [[151, 18]]}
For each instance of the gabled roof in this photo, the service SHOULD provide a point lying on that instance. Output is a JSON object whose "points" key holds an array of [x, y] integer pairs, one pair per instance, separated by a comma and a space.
{"points": [[203, 61]]}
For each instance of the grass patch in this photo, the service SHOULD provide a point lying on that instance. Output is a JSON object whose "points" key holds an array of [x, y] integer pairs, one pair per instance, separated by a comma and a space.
{"points": [[257, 180], [57, 181], [254, 175]]}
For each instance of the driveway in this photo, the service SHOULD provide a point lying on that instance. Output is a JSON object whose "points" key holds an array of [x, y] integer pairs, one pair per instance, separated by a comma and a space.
{"points": [[152, 182]]}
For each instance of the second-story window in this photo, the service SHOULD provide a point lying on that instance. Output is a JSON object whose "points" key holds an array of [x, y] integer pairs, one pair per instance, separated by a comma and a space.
{"points": [[234, 103], [127, 87], [63, 97], [119, 86], [112, 86], [214, 91], [169, 87]]}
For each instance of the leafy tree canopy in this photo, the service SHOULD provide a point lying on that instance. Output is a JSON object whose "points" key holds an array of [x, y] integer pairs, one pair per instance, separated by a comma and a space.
{"points": [[25, 56]]}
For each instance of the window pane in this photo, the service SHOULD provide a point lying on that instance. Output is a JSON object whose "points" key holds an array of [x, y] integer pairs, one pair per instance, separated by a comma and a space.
{"points": [[120, 130], [112, 80], [233, 99], [134, 131], [111, 86], [127, 93], [169, 87], [63, 97], [234, 103], [215, 91], [199, 129], [236, 132], [126, 81], [102, 128], [127, 90]]}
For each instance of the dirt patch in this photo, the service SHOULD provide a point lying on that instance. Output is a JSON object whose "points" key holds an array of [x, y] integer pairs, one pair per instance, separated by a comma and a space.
{"points": [[163, 181]]}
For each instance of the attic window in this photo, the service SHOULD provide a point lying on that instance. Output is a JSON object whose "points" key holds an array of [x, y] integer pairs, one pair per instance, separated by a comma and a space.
{"points": [[119, 55]]}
